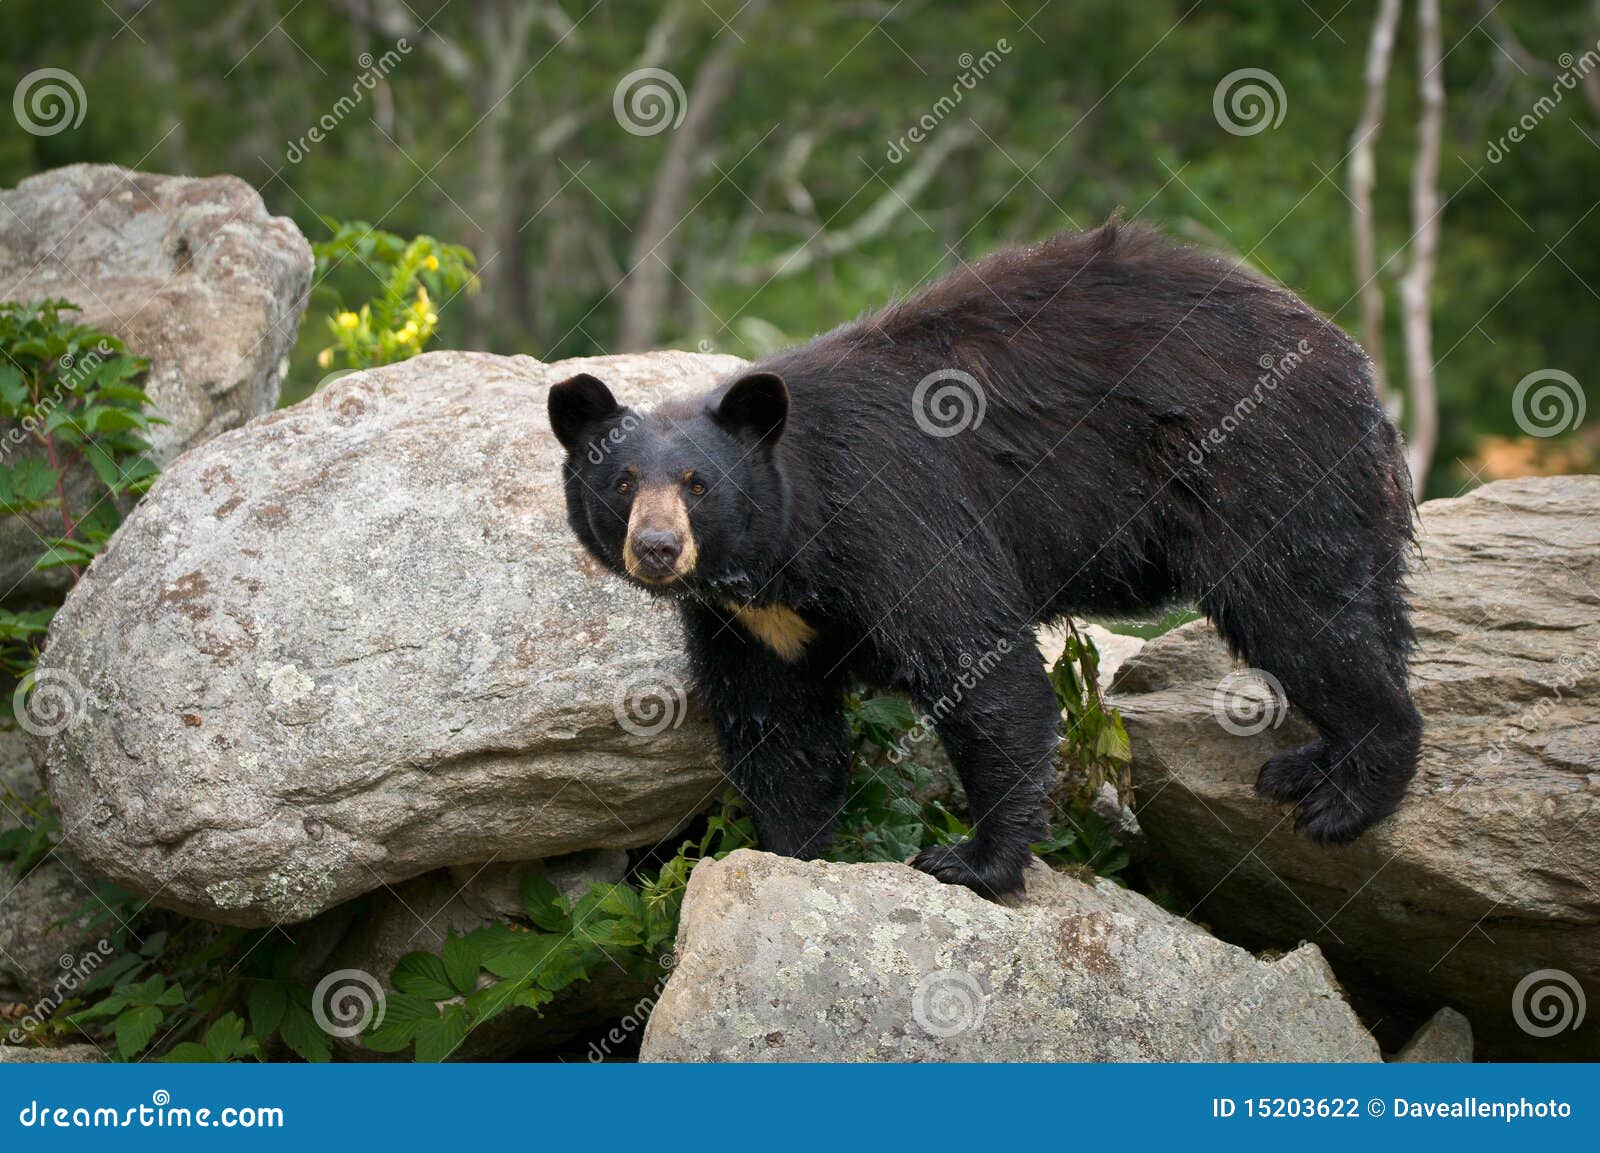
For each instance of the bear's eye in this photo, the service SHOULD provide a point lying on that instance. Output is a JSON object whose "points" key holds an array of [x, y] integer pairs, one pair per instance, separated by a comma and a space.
{"points": [[625, 486], [697, 486]]}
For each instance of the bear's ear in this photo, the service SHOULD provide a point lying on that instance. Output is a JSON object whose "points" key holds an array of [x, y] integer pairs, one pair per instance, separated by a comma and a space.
{"points": [[756, 405], [575, 405]]}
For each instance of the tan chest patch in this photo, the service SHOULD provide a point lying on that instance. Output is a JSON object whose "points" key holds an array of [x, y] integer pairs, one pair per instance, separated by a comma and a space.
{"points": [[778, 627]]}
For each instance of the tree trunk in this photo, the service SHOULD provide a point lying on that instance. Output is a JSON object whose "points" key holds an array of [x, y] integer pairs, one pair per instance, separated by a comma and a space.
{"points": [[1363, 176], [1416, 290], [646, 289]]}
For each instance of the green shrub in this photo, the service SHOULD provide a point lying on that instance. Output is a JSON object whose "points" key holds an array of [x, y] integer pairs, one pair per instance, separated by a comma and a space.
{"points": [[70, 400]]}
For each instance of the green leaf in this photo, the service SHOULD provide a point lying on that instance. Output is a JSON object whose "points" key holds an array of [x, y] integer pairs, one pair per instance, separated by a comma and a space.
{"points": [[436, 1040], [304, 1037], [887, 712], [135, 1028], [522, 959], [13, 388], [33, 480], [543, 902], [423, 974], [266, 1003], [462, 959], [1113, 741], [225, 1038], [190, 1053]]}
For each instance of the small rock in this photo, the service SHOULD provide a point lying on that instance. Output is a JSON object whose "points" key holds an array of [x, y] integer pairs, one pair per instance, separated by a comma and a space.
{"points": [[42, 918], [1444, 1037], [61, 1055]]}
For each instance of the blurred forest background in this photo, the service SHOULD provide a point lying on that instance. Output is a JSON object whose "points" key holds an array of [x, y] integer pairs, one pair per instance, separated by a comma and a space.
{"points": [[817, 158]]}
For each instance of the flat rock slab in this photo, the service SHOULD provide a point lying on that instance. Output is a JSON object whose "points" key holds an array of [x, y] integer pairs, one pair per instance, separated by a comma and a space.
{"points": [[1483, 891], [356, 641], [782, 960]]}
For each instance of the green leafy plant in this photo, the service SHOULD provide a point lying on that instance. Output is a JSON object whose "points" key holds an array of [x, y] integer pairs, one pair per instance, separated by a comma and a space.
{"points": [[1094, 744], [893, 808], [476, 977], [399, 321], [72, 450]]}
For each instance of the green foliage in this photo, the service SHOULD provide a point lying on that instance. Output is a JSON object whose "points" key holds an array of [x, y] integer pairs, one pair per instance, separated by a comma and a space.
{"points": [[892, 809], [1094, 745], [412, 275], [70, 404]]}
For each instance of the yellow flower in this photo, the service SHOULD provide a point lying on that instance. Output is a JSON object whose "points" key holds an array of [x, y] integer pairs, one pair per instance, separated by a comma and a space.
{"points": [[325, 358], [422, 294], [409, 332], [431, 264], [431, 319], [348, 320]]}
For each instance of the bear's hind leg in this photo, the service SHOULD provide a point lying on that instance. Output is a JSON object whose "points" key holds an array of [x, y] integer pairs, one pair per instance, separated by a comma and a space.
{"points": [[1346, 673], [998, 718]]}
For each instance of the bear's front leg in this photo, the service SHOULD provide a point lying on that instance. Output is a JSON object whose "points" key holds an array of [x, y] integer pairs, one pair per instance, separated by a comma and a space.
{"points": [[782, 730], [1000, 722]]}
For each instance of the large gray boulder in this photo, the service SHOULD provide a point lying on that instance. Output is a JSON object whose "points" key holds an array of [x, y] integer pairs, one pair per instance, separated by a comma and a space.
{"points": [[1483, 891], [192, 273], [782, 960], [356, 641]]}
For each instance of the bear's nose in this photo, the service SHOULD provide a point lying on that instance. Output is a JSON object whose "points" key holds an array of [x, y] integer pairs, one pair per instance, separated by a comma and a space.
{"points": [[658, 550]]}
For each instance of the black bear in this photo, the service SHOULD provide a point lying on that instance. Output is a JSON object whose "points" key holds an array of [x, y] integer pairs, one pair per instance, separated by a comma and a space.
{"points": [[1102, 423]]}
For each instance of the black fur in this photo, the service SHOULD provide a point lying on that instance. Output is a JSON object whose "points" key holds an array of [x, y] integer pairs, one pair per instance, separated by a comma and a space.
{"points": [[1160, 424]]}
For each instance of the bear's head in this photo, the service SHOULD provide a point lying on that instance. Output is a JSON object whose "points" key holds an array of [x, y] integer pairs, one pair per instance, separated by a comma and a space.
{"points": [[686, 497]]}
